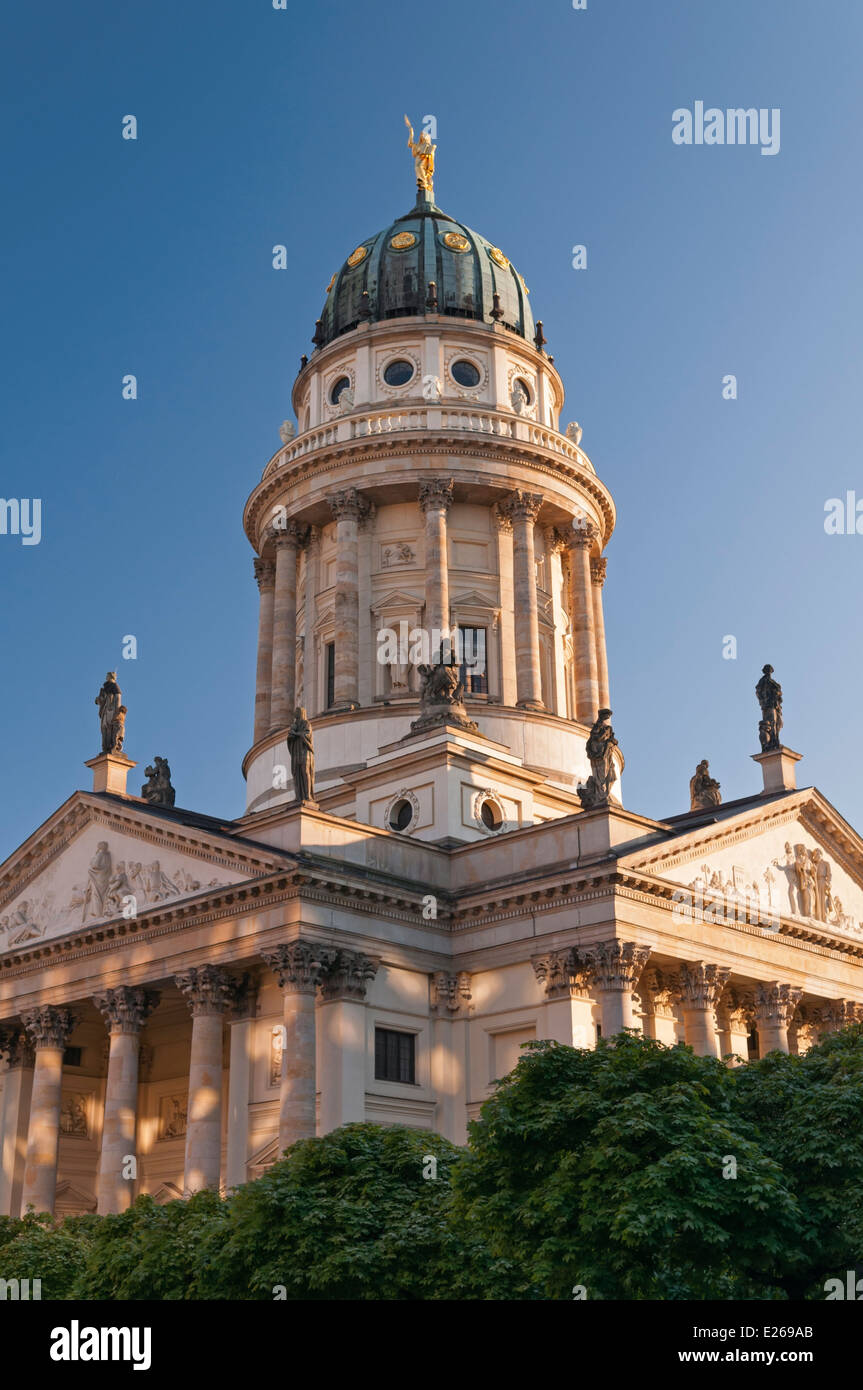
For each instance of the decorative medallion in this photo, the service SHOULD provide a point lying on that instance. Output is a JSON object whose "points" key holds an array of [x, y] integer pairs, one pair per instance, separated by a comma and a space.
{"points": [[402, 241], [498, 257], [455, 241], [332, 282], [359, 255]]}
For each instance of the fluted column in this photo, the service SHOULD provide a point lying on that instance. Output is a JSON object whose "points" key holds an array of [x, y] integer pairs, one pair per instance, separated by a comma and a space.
{"points": [[523, 508], [435, 499], [282, 696], [587, 703], [299, 967], [774, 1005], [209, 994], [597, 574], [700, 984], [14, 1115], [265, 574], [348, 507], [125, 1011], [49, 1029], [615, 968]]}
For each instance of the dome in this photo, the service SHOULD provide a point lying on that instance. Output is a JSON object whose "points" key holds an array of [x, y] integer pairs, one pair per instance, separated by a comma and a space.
{"points": [[387, 276]]}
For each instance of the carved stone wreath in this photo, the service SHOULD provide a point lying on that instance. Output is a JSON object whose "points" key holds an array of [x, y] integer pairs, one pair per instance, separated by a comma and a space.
{"points": [[413, 801], [392, 355], [452, 387], [488, 794]]}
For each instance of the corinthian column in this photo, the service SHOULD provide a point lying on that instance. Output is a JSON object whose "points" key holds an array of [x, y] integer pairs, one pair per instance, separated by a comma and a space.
{"points": [[125, 1011], [523, 508], [583, 633], [265, 574], [774, 1005], [615, 968], [699, 986], [349, 508], [343, 1038], [597, 574], [14, 1115], [299, 967], [284, 626], [209, 994], [48, 1029], [435, 498]]}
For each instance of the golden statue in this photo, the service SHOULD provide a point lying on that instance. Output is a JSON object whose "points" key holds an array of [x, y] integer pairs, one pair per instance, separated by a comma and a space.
{"points": [[423, 153]]}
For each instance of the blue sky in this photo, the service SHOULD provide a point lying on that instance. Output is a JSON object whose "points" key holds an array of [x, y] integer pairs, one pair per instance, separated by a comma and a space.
{"points": [[259, 127]]}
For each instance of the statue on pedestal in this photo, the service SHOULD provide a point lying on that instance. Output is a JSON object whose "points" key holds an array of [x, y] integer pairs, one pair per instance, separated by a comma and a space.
{"points": [[423, 152], [441, 699], [703, 789], [600, 746], [112, 714], [157, 789], [769, 694], [302, 753]]}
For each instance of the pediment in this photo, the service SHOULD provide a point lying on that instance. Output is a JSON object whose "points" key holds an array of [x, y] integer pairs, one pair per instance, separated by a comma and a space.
{"points": [[263, 1158], [397, 598], [73, 1201], [96, 862], [794, 858]]}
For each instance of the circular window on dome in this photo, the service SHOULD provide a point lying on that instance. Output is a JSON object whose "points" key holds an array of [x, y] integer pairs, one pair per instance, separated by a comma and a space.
{"points": [[498, 257], [340, 386], [359, 255], [454, 241], [401, 815], [491, 815], [403, 241], [464, 372], [399, 372]]}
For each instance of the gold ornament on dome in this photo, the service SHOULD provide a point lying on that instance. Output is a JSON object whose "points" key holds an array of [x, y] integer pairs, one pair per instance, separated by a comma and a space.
{"points": [[498, 257], [455, 241], [423, 153], [523, 285], [402, 240], [359, 255], [332, 282]]}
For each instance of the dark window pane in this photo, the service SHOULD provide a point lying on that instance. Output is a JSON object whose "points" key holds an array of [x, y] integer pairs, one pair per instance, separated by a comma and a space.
{"points": [[394, 1056]]}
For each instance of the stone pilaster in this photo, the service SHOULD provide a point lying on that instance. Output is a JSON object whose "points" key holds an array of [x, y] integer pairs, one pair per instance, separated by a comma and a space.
{"points": [[241, 1029], [657, 998], [774, 1006], [450, 999], [299, 966], [450, 993], [348, 507], [583, 628], [568, 1007], [283, 693], [209, 993], [265, 574], [14, 1115], [49, 1029], [699, 986], [597, 575], [615, 968], [734, 1020], [523, 509], [342, 1022], [508, 684], [125, 1011], [435, 499]]}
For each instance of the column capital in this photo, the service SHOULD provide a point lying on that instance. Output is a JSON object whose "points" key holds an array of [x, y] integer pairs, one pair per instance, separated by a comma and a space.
{"points": [[289, 534], [583, 535], [126, 1008], [774, 1003], [348, 505], [597, 570], [521, 505], [435, 492], [657, 994], [49, 1026], [450, 993], [736, 1011], [16, 1046], [208, 989], [348, 975], [299, 966], [699, 984], [501, 518], [615, 965], [840, 1013], [554, 541], [244, 1003], [561, 974], [265, 574]]}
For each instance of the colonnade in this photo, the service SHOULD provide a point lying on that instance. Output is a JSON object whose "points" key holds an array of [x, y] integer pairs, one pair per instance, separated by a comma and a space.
{"points": [[516, 515]]}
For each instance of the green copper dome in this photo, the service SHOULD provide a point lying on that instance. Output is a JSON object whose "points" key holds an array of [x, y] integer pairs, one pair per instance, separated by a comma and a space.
{"points": [[389, 275]]}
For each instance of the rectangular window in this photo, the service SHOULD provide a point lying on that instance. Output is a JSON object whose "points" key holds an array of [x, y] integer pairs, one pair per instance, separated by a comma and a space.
{"points": [[395, 1056], [72, 1056], [331, 674], [474, 671]]}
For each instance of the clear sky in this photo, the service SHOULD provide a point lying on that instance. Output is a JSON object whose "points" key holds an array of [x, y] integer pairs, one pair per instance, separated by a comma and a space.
{"points": [[260, 126]]}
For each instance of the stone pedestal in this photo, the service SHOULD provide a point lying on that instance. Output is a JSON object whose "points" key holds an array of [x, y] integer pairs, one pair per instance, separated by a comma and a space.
{"points": [[778, 769], [110, 771]]}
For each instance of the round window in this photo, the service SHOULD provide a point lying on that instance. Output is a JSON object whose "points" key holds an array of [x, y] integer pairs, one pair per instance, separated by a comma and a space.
{"points": [[465, 373], [341, 385], [398, 373], [401, 815], [490, 815]]}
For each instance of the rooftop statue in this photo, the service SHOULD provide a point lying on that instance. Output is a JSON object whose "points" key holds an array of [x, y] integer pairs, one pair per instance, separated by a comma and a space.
{"points": [[423, 152], [600, 746], [157, 789], [302, 751], [703, 789], [769, 693], [112, 714]]}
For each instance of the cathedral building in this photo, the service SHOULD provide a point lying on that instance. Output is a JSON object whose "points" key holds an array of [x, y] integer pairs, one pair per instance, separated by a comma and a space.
{"points": [[435, 864]]}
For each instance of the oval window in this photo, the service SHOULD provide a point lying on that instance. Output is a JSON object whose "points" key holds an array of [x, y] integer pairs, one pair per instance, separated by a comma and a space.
{"points": [[465, 373], [401, 815], [398, 373], [341, 385], [490, 815]]}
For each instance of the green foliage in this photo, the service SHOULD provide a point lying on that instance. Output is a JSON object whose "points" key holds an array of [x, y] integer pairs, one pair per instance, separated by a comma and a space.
{"points": [[35, 1247], [152, 1251]]}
